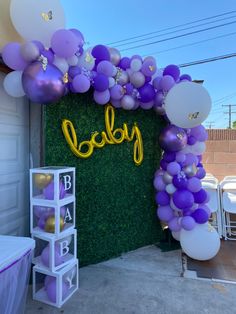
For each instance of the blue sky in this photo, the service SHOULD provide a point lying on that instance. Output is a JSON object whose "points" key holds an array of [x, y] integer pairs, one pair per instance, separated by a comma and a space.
{"points": [[104, 21]]}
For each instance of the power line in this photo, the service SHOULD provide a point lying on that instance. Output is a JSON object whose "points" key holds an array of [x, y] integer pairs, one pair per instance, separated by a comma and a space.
{"points": [[172, 32], [191, 44], [231, 55], [229, 112], [179, 36], [172, 27], [209, 124]]}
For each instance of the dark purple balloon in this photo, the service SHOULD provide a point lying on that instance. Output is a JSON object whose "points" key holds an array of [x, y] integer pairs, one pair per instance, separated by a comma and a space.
{"points": [[200, 215], [172, 70], [129, 88], [180, 181], [162, 198], [73, 71], [201, 173], [191, 140], [124, 63], [147, 92], [163, 164], [169, 156], [101, 82], [100, 53], [200, 197], [49, 55], [173, 138], [185, 77], [43, 86], [183, 199]]}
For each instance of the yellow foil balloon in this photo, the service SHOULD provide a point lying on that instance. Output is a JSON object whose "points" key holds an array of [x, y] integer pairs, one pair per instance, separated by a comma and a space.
{"points": [[109, 136], [50, 224], [42, 180]]}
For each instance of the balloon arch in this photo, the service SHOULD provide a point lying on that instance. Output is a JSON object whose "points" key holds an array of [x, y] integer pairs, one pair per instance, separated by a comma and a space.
{"points": [[53, 62]]}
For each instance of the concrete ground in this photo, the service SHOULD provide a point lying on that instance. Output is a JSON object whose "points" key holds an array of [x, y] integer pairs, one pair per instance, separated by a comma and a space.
{"points": [[145, 281]]}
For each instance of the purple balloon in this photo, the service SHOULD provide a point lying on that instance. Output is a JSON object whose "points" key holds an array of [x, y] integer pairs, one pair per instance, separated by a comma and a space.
{"points": [[174, 225], [180, 157], [45, 257], [73, 71], [51, 290], [147, 93], [129, 88], [48, 192], [39, 45], [115, 103], [172, 70], [124, 63], [183, 199], [169, 156], [173, 138], [200, 133], [101, 82], [159, 184], [146, 105], [81, 83], [162, 198], [105, 67], [43, 86], [185, 77], [49, 55], [190, 159], [117, 92], [194, 185], [165, 213], [101, 98], [159, 99], [188, 223], [100, 53], [200, 197], [11, 56], [157, 83], [180, 181], [167, 82], [41, 222], [200, 216], [191, 140], [47, 280], [64, 43], [173, 168], [149, 67], [201, 172], [79, 36], [163, 164]]}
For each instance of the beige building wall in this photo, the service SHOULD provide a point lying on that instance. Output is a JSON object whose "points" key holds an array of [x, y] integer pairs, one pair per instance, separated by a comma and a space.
{"points": [[7, 30], [220, 156]]}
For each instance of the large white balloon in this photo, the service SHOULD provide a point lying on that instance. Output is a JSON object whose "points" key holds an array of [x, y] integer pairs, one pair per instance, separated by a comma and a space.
{"points": [[202, 243], [13, 84], [37, 19], [187, 104]]}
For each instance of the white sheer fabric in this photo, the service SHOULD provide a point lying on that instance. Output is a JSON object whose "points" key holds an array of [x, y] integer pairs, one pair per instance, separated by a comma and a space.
{"points": [[14, 281]]}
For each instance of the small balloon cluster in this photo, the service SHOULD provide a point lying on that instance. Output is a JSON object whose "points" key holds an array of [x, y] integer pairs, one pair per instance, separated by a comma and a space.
{"points": [[47, 74]]}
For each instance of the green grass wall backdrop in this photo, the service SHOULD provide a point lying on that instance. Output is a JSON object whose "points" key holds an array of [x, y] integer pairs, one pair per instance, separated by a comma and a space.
{"points": [[115, 199]]}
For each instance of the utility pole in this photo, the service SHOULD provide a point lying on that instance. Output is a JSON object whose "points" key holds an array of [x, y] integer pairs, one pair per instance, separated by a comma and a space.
{"points": [[229, 112], [210, 124]]}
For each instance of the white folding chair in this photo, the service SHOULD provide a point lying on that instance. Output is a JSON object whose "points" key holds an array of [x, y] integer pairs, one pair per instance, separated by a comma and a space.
{"points": [[210, 184], [228, 205]]}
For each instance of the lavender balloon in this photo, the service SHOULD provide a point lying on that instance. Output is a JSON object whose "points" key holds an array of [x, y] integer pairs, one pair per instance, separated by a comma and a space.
{"points": [[165, 213], [167, 82], [12, 56], [43, 86], [101, 98], [64, 43], [173, 138], [117, 92], [81, 83], [174, 225], [48, 192], [188, 223]]}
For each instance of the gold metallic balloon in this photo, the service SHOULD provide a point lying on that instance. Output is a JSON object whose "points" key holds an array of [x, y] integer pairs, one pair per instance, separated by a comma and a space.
{"points": [[42, 180], [190, 170], [50, 224]]}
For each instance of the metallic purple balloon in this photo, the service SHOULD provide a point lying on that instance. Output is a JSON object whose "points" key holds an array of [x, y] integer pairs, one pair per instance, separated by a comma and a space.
{"points": [[43, 86], [173, 138]]}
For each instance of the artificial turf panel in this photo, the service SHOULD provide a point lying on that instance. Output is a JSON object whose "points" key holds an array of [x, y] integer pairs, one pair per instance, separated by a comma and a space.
{"points": [[115, 204]]}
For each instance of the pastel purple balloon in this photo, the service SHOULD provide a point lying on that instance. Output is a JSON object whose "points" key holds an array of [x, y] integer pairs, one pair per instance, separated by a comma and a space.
{"points": [[201, 172], [185, 77], [11, 55], [81, 83], [146, 105], [174, 225], [51, 290], [127, 102], [45, 257], [149, 67], [167, 82], [129, 88], [183, 199], [172, 70], [200, 216], [116, 103], [101, 98], [124, 63], [159, 99], [101, 82], [200, 197], [147, 93], [194, 185], [39, 45], [159, 184], [73, 71], [48, 192], [79, 36], [190, 159], [64, 43], [157, 83], [100, 53], [188, 223], [162, 198], [165, 213], [200, 133], [105, 67], [47, 280], [117, 92], [43, 86], [173, 168], [173, 138], [180, 181], [49, 55], [180, 157], [41, 222]]}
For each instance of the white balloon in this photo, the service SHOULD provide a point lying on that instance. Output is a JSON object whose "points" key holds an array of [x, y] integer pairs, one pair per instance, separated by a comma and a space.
{"points": [[13, 84], [86, 60], [61, 64], [198, 148], [136, 65], [112, 82], [73, 60], [202, 243], [176, 235], [37, 19], [187, 104], [170, 188]]}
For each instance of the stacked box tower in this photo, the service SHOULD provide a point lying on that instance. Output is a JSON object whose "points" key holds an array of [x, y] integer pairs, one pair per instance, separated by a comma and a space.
{"points": [[52, 225]]}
